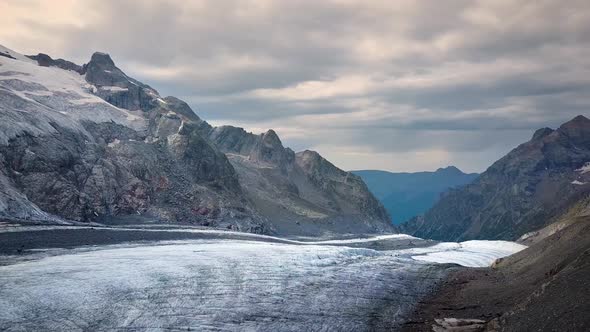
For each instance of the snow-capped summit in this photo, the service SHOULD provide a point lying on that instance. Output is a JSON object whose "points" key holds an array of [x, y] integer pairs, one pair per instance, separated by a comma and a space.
{"points": [[35, 99]]}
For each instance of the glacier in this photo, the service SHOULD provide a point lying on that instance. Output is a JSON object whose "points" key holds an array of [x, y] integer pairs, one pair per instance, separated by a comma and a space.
{"points": [[475, 253], [229, 285]]}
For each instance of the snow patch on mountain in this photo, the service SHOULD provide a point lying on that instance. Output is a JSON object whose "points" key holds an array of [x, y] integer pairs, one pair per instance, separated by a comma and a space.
{"points": [[6, 52], [584, 169], [113, 88], [34, 98]]}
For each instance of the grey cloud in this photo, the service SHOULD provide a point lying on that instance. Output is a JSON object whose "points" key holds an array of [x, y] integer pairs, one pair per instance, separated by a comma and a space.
{"points": [[218, 54]]}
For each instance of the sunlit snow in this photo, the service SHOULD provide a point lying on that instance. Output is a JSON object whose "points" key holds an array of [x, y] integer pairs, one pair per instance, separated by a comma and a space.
{"points": [[470, 253], [52, 95]]}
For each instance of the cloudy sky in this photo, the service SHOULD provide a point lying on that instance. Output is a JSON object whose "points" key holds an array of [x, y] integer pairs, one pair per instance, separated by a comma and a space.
{"points": [[393, 84]]}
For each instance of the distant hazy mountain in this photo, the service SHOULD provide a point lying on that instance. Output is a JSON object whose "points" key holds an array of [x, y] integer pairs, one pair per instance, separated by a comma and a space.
{"points": [[522, 192], [406, 195]]}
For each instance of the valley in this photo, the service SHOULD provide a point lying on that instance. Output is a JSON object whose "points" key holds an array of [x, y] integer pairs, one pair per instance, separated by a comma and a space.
{"points": [[122, 209]]}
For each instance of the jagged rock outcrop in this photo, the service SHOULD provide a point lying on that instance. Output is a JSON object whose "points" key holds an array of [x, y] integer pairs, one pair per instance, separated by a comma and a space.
{"points": [[89, 143], [46, 61], [522, 192], [347, 191], [300, 193], [117, 88]]}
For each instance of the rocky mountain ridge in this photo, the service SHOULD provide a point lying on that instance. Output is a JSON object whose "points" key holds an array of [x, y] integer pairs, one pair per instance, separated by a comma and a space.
{"points": [[302, 190], [90, 143], [522, 192]]}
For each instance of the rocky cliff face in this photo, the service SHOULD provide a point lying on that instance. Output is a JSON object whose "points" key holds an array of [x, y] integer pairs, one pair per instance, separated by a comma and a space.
{"points": [[102, 145], [300, 193], [522, 192], [89, 143]]}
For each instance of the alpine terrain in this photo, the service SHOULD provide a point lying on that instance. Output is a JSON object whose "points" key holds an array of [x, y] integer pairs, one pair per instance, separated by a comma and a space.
{"points": [[121, 209], [539, 195], [87, 143], [524, 191]]}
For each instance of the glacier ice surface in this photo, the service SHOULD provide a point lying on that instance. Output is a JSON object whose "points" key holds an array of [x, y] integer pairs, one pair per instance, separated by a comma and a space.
{"points": [[213, 285]]}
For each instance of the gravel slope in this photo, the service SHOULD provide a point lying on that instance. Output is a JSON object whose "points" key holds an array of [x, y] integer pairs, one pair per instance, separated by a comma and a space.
{"points": [[542, 288]]}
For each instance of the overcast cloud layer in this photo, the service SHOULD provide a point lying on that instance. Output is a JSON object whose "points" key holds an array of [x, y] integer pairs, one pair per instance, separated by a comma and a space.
{"points": [[395, 85]]}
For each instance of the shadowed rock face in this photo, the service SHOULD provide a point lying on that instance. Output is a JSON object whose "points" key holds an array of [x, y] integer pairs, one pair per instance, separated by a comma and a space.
{"points": [[66, 153], [519, 193], [347, 189], [46, 61], [117, 88], [270, 149]]}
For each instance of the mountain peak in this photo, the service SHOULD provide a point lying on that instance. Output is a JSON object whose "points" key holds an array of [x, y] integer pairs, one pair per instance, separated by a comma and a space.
{"points": [[577, 129], [102, 59], [527, 187], [181, 107], [449, 170], [577, 122], [581, 118], [540, 133], [271, 137]]}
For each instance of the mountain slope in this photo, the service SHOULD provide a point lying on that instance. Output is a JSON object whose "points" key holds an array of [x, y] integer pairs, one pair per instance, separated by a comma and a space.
{"points": [[522, 192], [299, 192], [73, 153], [547, 290], [89, 143], [406, 195]]}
